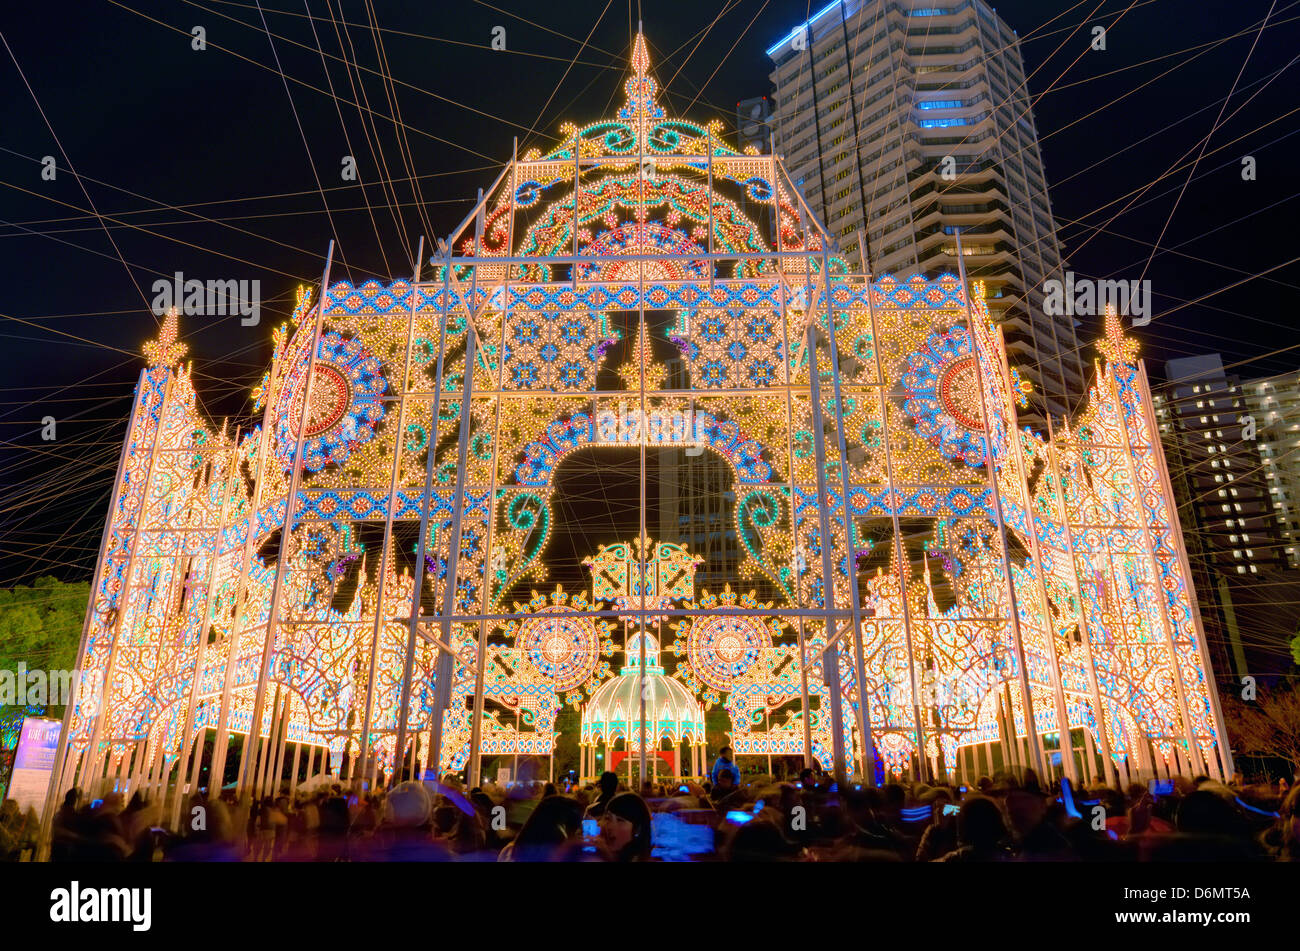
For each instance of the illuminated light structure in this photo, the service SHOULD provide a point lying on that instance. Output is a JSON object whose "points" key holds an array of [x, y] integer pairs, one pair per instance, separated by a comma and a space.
{"points": [[928, 583], [673, 715]]}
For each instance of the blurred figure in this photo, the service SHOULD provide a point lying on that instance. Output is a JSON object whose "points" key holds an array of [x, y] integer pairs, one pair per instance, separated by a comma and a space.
{"points": [[331, 843], [980, 831], [1282, 841], [1033, 838], [63, 833], [406, 832], [725, 794], [210, 836], [556, 821], [608, 786], [940, 836], [761, 841], [725, 763], [18, 831]]}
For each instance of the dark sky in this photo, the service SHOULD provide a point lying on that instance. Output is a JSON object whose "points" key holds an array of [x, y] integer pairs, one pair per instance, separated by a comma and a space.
{"points": [[149, 123]]}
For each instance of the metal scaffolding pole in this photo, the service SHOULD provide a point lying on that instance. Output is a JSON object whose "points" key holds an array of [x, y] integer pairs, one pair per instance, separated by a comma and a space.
{"points": [[221, 742], [66, 759], [1065, 737], [386, 549], [1157, 590], [209, 609], [867, 764], [1226, 768], [900, 552], [798, 559], [1099, 710], [124, 606], [995, 497], [249, 756]]}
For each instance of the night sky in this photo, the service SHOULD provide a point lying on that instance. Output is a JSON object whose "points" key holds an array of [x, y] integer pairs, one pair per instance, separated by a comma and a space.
{"points": [[197, 161]]}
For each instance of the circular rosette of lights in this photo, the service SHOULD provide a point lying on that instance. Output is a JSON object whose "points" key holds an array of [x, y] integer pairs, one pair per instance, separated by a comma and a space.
{"points": [[563, 647], [721, 647], [347, 391], [942, 395]]}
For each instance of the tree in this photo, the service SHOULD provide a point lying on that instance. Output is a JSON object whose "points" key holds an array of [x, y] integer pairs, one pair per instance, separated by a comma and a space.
{"points": [[1269, 725], [40, 626]]}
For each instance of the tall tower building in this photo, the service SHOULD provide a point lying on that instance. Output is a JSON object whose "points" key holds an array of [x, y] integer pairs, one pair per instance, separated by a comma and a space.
{"points": [[1274, 405], [907, 122], [1228, 510], [1203, 408]]}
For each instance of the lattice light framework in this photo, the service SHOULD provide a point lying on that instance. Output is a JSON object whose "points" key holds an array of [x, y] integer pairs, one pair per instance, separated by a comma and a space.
{"points": [[936, 578]]}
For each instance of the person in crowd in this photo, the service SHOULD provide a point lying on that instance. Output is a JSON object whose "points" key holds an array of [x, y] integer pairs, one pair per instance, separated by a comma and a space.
{"points": [[608, 786], [940, 837], [1005, 818], [625, 829], [556, 821], [980, 833], [725, 794], [1033, 837], [1282, 840], [725, 763]]}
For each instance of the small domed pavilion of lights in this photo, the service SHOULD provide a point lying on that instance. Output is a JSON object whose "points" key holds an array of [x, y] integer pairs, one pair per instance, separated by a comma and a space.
{"points": [[912, 575], [673, 717]]}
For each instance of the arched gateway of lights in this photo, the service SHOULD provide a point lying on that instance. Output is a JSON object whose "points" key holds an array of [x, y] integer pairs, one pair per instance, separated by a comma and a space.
{"points": [[986, 584]]}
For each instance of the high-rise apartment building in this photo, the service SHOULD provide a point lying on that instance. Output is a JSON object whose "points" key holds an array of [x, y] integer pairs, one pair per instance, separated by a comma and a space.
{"points": [[1202, 413], [904, 122], [1227, 509], [1274, 405]]}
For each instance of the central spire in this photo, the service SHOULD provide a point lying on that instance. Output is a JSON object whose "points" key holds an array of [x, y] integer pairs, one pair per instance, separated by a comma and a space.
{"points": [[640, 107], [640, 57]]}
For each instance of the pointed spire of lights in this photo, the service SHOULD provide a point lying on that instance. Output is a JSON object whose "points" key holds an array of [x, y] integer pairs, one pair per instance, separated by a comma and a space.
{"points": [[167, 350], [640, 107], [1114, 346]]}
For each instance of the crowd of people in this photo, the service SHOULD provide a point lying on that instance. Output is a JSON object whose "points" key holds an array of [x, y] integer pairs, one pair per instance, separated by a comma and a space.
{"points": [[1002, 818]]}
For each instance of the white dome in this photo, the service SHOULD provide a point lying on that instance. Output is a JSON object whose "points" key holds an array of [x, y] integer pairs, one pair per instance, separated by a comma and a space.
{"points": [[614, 710]]}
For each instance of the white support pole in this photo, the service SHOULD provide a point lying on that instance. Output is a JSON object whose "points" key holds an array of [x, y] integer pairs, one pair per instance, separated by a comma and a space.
{"points": [[995, 497], [1099, 709], [1225, 768], [900, 552], [1157, 590], [1064, 742], [209, 610], [798, 565], [283, 561], [386, 550], [867, 765]]}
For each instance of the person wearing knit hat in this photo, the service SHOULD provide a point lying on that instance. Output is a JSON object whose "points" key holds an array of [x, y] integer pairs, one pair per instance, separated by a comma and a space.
{"points": [[406, 834], [407, 806]]}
